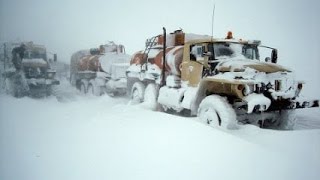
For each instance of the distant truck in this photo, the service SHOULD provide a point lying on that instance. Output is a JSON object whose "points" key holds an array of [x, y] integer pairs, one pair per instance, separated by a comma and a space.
{"points": [[223, 81], [27, 71], [100, 70]]}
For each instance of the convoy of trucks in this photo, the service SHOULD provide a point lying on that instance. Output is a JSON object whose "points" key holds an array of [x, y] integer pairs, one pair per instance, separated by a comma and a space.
{"points": [[222, 81]]}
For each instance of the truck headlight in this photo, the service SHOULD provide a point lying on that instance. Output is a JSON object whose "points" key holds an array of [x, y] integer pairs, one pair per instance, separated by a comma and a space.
{"points": [[248, 89], [50, 74]]}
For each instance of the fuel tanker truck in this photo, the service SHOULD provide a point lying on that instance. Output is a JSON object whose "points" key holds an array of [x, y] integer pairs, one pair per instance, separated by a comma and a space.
{"points": [[100, 70], [225, 82]]}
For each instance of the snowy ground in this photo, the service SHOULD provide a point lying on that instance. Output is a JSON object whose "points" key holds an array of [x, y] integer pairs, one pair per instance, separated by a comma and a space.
{"points": [[78, 137]]}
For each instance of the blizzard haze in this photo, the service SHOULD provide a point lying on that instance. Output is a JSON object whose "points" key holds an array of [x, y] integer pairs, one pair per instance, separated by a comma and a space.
{"points": [[74, 137], [66, 26]]}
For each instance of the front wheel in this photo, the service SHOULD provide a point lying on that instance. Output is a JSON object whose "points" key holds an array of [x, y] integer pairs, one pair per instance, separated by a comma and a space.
{"points": [[215, 111]]}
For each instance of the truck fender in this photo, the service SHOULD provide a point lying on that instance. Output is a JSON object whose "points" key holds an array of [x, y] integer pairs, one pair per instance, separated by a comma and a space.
{"points": [[200, 95]]}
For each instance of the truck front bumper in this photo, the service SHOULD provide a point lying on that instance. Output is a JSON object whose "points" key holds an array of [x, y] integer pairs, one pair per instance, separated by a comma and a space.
{"points": [[273, 113], [242, 107]]}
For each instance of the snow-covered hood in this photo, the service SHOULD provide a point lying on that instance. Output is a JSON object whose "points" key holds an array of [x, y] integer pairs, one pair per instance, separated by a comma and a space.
{"points": [[275, 80], [240, 65], [35, 62]]}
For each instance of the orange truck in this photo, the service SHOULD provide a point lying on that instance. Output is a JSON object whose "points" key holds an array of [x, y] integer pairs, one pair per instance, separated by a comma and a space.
{"points": [[223, 81]]}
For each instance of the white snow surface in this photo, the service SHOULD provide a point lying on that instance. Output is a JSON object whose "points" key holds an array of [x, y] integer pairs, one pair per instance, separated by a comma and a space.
{"points": [[81, 137]]}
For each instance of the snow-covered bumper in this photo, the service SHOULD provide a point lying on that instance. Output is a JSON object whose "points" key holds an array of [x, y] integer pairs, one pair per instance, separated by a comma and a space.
{"points": [[42, 81], [257, 103], [263, 92]]}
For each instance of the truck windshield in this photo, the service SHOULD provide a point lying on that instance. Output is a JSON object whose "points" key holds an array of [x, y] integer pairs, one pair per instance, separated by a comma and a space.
{"points": [[222, 50], [35, 54]]}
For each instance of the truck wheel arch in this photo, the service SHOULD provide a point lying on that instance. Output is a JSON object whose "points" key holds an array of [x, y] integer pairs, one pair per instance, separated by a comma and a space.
{"points": [[201, 94]]}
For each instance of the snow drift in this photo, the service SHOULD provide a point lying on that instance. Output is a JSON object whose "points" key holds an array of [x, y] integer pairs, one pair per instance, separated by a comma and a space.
{"points": [[104, 138]]}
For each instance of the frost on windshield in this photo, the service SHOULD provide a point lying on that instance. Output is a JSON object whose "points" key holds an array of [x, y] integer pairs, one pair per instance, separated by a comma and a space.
{"points": [[225, 50]]}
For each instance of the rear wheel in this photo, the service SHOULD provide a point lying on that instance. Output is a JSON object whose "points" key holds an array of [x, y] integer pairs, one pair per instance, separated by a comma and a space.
{"points": [[150, 96], [83, 88], [90, 89], [49, 90], [137, 92], [215, 111], [93, 90]]}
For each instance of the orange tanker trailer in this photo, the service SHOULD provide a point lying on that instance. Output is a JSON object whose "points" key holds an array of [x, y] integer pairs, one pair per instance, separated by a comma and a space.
{"points": [[100, 70]]}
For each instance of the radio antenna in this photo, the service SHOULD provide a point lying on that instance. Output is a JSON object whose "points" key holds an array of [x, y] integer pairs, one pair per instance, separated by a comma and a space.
{"points": [[214, 7]]}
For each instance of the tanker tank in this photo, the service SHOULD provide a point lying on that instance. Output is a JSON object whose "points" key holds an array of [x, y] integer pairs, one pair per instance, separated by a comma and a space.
{"points": [[100, 70]]}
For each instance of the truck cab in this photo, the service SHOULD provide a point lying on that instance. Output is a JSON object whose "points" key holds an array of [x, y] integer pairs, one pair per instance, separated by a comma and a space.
{"points": [[223, 81], [32, 75]]}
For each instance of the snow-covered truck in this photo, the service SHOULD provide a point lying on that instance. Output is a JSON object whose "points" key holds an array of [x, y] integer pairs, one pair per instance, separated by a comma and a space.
{"points": [[27, 71], [223, 81], [100, 70]]}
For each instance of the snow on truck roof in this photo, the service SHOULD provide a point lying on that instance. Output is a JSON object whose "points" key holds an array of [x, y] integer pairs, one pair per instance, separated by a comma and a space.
{"points": [[240, 41], [180, 38]]}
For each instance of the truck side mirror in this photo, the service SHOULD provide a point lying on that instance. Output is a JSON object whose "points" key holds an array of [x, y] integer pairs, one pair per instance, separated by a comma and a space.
{"points": [[209, 54], [55, 58], [274, 56], [267, 59]]}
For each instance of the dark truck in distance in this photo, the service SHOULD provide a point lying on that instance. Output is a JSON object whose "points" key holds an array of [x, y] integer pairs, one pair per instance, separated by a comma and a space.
{"points": [[27, 70]]}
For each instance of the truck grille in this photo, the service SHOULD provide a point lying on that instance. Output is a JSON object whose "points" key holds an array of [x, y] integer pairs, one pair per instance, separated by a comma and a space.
{"points": [[277, 85]]}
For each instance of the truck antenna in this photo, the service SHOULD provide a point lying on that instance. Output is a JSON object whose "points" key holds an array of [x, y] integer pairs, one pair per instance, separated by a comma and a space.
{"points": [[214, 7]]}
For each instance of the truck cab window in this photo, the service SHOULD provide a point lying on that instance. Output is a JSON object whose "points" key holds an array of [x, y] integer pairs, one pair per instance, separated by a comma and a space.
{"points": [[250, 52], [223, 50], [196, 52]]}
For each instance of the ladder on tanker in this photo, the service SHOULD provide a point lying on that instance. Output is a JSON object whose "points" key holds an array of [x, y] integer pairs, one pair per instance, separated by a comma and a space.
{"points": [[149, 44]]}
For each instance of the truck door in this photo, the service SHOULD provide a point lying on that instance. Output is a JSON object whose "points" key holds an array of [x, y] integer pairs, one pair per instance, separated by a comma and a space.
{"points": [[191, 69]]}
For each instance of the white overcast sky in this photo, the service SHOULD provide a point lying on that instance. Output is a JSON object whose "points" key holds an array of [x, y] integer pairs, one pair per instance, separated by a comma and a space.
{"points": [[66, 26]]}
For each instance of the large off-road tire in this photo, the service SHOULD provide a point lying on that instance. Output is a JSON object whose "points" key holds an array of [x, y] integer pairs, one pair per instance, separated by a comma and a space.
{"points": [[151, 96], [49, 90], [94, 89], [83, 88], [137, 93], [215, 111]]}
